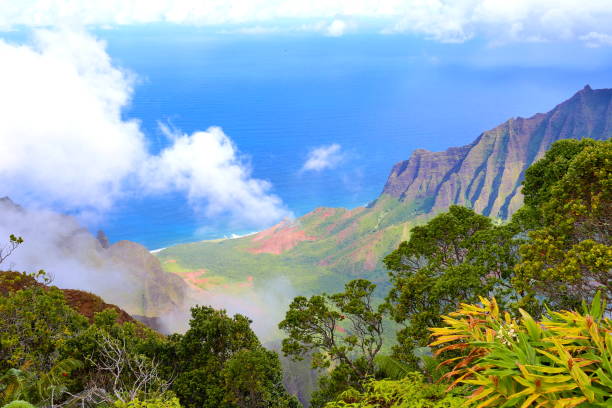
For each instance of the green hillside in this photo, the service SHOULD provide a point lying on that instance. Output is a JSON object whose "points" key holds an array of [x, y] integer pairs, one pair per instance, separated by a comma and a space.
{"points": [[323, 249], [329, 246]]}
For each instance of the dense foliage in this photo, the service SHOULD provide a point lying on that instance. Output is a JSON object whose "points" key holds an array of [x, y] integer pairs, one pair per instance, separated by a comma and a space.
{"points": [[51, 354], [562, 361], [342, 331], [219, 362], [526, 346], [408, 392], [556, 250], [568, 196], [554, 254], [457, 256]]}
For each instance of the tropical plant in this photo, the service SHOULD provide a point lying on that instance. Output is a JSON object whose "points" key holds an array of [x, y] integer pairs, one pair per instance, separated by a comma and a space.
{"points": [[55, 382], [391, 368], [16, 384], [13, 384], [561, 362]]}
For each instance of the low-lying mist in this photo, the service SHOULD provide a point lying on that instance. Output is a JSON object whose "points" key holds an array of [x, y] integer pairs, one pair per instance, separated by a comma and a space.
{"points": [[127, 275], [265, 305], [64, 249]]}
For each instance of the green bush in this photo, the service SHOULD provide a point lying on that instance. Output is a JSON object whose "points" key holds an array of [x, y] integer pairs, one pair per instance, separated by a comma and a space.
{"points": [[34, 326], [150, 403], [18, 404], [409, 392]]}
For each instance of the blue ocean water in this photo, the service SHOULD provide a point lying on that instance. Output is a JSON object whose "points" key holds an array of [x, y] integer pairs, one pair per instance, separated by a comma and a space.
{"points": [[277, 96]]}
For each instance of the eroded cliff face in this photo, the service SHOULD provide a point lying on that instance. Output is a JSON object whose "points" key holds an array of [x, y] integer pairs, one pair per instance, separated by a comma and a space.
{"points": [[486, 175], [160, 292]]}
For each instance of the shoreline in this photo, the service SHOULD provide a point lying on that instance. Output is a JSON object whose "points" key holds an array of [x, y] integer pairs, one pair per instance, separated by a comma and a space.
{"points": [[234, 236]]}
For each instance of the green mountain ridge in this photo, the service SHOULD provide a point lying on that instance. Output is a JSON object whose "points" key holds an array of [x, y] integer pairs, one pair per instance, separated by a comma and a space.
{"points": [[323, 249]]}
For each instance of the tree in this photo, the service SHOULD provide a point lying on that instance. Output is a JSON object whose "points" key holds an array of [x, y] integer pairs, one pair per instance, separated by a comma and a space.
{"points": [[10, 247], [209, 355], [34, 325], [50, 354], [343, 331], [253, 378], [129, 375], [568, 197], [118, 363], [456, 257]]}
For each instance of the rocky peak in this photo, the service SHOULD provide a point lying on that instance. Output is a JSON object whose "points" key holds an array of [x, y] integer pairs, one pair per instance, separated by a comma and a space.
{"points": [[486, 174]]}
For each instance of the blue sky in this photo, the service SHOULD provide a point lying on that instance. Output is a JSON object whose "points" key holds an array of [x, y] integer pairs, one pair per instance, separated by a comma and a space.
{"points": [[172, 121]]}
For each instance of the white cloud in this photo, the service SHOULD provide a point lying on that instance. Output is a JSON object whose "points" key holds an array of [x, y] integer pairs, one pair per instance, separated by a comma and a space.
{"points": [[595, 40], [63, 139], [502, 21], [336, 28], [498, 21], [323, 157], [65, 145], [208, 168]]}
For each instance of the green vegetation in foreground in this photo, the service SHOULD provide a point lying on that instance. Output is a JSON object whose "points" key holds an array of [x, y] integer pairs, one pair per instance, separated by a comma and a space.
{"points": [[556, 252], [408, 392], [512, 315], [51, 355], [564, 360]]}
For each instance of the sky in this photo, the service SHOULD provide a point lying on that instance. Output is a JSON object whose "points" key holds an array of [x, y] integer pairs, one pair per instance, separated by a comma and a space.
{"points": [[167, 121]]}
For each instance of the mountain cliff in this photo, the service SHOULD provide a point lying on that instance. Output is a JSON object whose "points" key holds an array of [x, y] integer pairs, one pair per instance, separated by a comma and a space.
{"points": [[486, 175], [328, 246]]}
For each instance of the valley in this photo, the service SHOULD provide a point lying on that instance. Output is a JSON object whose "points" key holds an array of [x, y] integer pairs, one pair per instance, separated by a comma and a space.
{"points": [[327, 247]]}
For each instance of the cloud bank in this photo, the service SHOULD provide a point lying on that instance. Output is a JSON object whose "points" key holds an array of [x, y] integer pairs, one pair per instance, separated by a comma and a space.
{"points": [[66, 146], [63, 140], [443, 20], [323, 158]]}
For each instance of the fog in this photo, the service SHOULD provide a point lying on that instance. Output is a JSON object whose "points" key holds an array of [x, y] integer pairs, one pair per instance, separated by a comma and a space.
{"points": [[265, 306], [75, 259], [70, 254]]}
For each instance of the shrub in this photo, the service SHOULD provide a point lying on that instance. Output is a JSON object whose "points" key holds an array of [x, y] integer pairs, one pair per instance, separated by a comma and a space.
{"points": [[18, 404], [563, 361], [409, 392], [150, 403]]}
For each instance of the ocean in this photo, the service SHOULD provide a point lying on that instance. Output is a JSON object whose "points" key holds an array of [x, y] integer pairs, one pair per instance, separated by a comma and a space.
{"points": [[279, 96]]}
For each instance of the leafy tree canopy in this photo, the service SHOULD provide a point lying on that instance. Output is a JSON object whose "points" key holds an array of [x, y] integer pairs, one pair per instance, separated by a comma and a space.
{"points": [[219, 362], [343, 331], [457, 256], [568, 196]]}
